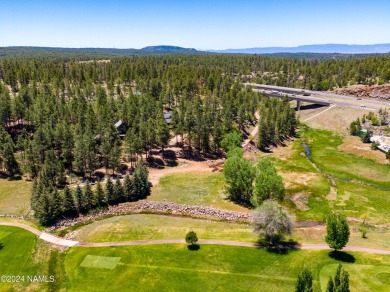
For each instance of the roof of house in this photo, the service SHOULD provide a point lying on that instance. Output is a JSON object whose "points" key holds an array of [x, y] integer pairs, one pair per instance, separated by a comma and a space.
{"points": [[168, 115], [118, 124]]}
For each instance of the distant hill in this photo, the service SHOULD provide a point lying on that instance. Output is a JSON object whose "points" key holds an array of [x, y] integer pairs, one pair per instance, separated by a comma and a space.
{"points": [[166, 48], [85, 53], [321, 49]]}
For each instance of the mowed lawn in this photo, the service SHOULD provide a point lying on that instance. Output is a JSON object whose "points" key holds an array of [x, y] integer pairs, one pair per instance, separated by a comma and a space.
{"points": [[14, 197], [203, 189], [175, 268], [211, 268], [16, 248], [146, 226]]}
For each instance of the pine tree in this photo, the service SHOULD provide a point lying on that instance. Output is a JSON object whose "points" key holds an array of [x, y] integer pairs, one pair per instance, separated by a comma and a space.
{"points": [[89, 197], [304, 282], [330, 286], [341, 281], [128, 188], [101, 196], [110, 192], [70, 207], [119, 194], [80, 199], [9, 162], [141, 182]]}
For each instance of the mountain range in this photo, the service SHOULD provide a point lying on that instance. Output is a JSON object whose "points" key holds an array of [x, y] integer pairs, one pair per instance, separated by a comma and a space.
{"points": [[322, 49]]}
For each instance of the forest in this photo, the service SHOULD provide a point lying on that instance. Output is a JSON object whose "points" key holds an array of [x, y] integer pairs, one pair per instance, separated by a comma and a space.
{"points": [[60, 116]]}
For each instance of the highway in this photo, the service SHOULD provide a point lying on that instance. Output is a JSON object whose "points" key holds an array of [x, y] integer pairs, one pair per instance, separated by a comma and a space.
{"points": [[331, 98]]}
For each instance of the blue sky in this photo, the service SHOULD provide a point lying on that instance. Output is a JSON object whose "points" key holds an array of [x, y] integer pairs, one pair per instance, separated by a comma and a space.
{"points": [[197, 24]]}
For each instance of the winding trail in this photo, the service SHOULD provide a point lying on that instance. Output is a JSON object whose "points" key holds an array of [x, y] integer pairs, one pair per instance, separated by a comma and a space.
{"points": [[69, 243]]}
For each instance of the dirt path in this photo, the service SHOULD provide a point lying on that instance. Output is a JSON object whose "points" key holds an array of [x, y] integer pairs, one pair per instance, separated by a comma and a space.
{"points": [[43, 235], [68, 243], [188, 166], [253, 133], [319, 113]]}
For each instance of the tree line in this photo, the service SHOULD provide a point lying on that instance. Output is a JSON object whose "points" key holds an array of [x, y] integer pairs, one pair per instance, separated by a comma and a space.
{"points": [[50, 204]]}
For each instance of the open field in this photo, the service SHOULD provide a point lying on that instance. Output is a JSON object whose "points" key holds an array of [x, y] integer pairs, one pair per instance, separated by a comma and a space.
{"points": [[15, 197], [376, 237], [203, 189], [354, 145], [145, 226], [325, 154], [339, 116]]}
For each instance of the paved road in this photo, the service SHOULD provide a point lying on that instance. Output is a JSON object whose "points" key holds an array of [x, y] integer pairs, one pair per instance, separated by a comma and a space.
{"points": [[68, 243], [294, 93], [321, 93]]}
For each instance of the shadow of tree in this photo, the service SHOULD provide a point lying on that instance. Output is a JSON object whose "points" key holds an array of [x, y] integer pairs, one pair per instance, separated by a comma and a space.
{"points": [[1, 246], [280, 247], [193, 247], [342, 256]]}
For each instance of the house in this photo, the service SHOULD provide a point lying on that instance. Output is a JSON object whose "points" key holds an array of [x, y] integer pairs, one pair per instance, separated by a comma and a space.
{"points": [[168, 116], [121, 127]]}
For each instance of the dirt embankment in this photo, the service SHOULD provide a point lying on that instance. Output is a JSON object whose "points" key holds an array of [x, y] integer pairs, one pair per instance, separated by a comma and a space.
{"points": [[375, 91]]}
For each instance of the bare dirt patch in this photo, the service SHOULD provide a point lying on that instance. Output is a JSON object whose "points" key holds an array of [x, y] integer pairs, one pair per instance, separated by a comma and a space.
{"points": [[332, 196], [187, 166], [336, 119], [300, 200], [293, 178], [355, 146], [375, 91]]}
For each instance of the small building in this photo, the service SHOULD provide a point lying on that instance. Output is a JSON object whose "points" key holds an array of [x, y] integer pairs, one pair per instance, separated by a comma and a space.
{"points": [[362, 132], [121, 127], [168, 116]]}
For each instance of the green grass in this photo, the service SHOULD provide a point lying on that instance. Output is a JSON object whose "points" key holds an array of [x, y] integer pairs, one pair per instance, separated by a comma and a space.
{"points": [[363, 202], [145, 226], [310, 182], [203, 189], [17, 246], [175, 268], [349, 197], [365, 277], [211, 268], [324, 151], [14, 197], [99, 262]]}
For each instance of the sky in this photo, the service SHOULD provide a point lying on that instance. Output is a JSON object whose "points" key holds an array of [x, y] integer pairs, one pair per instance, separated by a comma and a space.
{"points": [[201, 24]]}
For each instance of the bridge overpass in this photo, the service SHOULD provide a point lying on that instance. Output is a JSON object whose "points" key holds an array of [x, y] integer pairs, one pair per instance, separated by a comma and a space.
{"points": [[301, 95], [298, 98]]}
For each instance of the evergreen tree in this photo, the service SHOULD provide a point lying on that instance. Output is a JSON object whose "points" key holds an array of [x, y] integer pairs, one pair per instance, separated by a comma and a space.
{"points": [[119, 194], [304, 282], [141, 182], [70, 207], [9, 162], [101, 196], [89, 197], [128, 188], [110, 192], [80, 199], [330, 285]]}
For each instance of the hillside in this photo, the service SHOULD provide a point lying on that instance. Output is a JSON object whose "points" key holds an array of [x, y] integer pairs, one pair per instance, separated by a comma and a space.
{"points": [[87, 53], [375, 91], [167, 48]]}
